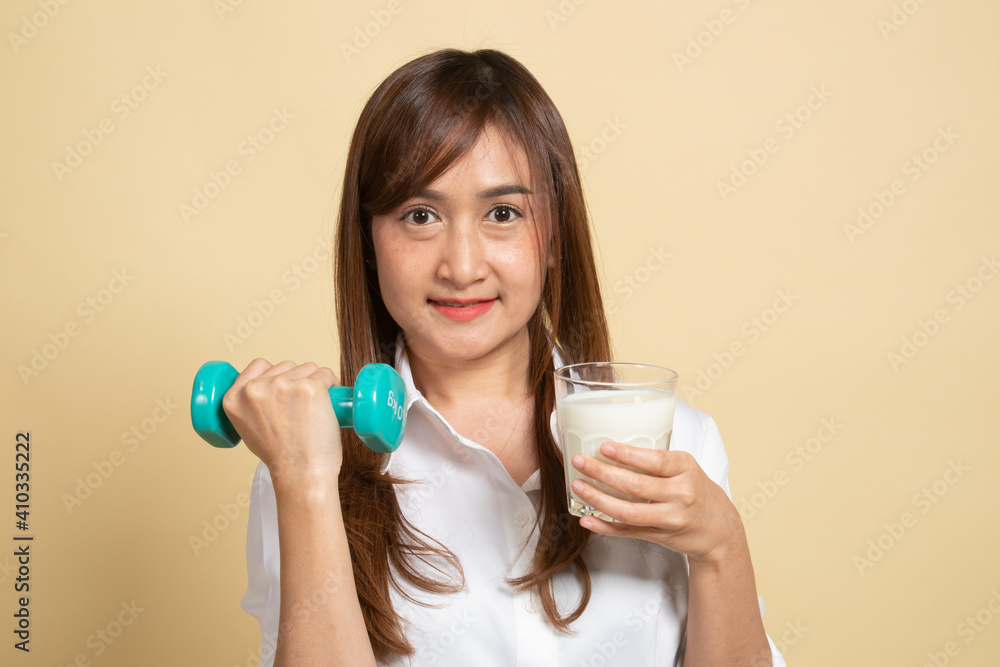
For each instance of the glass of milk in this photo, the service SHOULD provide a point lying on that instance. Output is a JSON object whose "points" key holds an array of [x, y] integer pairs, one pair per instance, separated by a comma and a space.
{"points": [[611, 401]]}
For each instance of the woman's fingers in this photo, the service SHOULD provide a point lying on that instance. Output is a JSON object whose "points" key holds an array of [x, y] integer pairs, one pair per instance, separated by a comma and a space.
{"points": [[261, 371], [654, 461], [637, 514], [276, 369], [658, 477], [323, 374], [290, 370], [647, 484], [284, 416], [602, 527], [263, 387], [687, 512]]}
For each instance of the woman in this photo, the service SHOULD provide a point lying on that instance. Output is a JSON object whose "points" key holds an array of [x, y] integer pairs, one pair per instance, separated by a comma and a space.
{"points": [[464, 259]]}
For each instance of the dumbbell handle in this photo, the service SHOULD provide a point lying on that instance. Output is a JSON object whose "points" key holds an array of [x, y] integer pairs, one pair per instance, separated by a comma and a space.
{"points": [[379, 392], [343, 405]]}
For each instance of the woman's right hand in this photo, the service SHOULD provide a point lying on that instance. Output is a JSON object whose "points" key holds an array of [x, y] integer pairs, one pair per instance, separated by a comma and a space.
{"points": [[284, 415]]}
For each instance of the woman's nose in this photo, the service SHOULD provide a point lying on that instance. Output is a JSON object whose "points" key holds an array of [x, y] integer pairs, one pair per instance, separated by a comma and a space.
{"points": [[463, 256]]}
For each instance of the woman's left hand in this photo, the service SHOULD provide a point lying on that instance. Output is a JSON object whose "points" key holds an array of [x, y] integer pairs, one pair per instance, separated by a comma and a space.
{"points": [[688, 512]]}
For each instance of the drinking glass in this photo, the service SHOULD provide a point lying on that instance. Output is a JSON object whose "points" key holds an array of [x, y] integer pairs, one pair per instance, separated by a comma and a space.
{"points": [[611, 401]]}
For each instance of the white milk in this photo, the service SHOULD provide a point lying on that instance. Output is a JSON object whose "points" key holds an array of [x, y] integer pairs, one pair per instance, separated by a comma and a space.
{"points": [[636, 417]]}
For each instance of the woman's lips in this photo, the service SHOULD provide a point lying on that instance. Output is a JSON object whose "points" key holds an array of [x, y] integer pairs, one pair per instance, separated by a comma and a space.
{"points": [[462, 310]]}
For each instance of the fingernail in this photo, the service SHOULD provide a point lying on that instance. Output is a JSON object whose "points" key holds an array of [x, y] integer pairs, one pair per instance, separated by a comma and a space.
{"points": [[608, 449], [578, 461], [577, 485]]}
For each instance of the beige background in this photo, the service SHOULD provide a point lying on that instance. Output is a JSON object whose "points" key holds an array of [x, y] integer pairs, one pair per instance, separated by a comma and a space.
{"points": [[856, 567]]}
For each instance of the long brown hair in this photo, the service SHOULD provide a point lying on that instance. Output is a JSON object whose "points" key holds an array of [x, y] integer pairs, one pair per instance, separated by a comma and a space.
{"points": [[417, 123]]}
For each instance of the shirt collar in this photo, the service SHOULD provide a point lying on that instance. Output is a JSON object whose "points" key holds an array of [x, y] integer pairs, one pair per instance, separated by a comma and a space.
{"points": [[413, 395]]}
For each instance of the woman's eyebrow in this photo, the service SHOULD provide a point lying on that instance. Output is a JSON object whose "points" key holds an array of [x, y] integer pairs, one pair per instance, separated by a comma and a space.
{"points": [[503, 190], [489, 193]]}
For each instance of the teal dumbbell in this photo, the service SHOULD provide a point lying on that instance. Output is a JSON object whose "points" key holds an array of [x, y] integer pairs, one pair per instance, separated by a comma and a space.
{"points": [[375, 407]]}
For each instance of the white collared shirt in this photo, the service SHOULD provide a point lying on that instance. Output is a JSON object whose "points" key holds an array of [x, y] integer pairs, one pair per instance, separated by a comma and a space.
{"points": [[468, 501]]}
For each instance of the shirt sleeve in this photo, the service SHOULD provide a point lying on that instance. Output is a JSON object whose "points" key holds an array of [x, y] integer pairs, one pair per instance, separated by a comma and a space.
{"points": [[698, 434], [262, 599], [708, 450]]}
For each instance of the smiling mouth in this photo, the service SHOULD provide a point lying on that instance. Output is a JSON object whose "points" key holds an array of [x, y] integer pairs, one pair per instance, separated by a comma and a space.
{"points": [[460, 303], [462, 310]]}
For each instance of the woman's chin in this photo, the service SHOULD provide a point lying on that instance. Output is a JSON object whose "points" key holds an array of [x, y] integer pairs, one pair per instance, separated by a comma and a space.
{"points": [[463, 346]]}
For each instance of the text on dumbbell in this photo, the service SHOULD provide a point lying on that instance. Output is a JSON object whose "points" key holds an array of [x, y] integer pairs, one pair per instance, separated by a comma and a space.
{"points": [[397, 409]]}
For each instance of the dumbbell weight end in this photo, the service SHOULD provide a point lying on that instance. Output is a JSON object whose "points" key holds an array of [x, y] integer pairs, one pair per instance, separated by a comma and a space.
{"points": [[374, 407], [210, 421]]}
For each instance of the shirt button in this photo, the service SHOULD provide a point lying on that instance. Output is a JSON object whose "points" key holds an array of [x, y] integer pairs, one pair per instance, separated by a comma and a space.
{"points": [[521, 519]]}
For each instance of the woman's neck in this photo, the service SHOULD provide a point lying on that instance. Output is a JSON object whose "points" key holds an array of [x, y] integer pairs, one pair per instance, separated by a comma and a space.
{"points": [[449, 383], [487, 399]]}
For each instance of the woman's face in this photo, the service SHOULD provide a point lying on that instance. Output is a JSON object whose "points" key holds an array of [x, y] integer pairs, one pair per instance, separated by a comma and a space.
{"points": [[459, 265]]}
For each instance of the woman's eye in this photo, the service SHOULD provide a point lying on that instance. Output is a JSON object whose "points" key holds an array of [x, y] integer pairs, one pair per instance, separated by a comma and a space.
{"points": [[419, 216], [503, 214]]}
